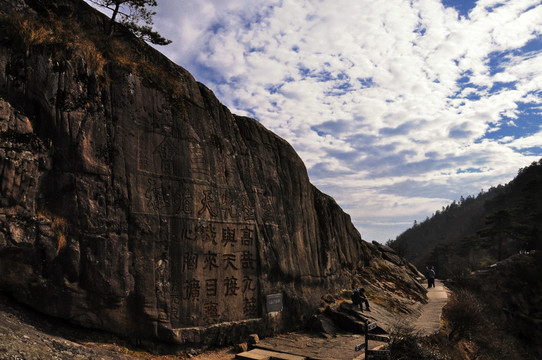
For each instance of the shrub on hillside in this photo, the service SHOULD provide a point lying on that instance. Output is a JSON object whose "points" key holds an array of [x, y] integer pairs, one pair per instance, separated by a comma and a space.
{"points": [[407, 343], [464, 313]]}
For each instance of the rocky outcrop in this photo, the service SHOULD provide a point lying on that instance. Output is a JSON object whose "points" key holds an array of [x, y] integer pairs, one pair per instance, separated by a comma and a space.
{"points": [[133, 201]]}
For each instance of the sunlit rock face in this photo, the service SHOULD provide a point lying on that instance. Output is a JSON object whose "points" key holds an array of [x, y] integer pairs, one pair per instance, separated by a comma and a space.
{"points": [[151, 211]]}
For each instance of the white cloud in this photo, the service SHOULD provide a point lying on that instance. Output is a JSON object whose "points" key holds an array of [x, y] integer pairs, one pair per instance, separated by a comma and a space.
{"points": [[527, 142], [411, 104]]}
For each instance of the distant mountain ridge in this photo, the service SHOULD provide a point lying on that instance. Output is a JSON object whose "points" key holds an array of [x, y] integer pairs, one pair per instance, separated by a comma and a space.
{"points": [[479, 231]]}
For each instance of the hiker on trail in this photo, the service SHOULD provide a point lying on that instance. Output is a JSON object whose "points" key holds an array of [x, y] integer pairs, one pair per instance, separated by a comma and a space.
{"points": [[359, 298], [430, 277]]}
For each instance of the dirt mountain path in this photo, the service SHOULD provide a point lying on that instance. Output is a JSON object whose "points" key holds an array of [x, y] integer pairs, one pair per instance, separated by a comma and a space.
{"points": [[429, 321]]}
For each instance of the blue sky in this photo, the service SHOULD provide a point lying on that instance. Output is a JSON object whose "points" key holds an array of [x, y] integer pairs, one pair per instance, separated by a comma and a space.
{"points": [[396, 107]]}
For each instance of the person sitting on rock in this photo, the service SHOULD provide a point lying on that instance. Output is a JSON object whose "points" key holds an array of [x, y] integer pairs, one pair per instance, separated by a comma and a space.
{"points": [[364, 300], [359, 298]]}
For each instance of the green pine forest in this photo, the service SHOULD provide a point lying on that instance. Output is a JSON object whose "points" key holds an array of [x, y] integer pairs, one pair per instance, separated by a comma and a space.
{"points": [[476, 232]]}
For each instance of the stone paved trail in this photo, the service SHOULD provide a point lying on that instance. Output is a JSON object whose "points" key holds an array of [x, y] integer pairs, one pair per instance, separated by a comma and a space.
{"points": [[429, 321]]}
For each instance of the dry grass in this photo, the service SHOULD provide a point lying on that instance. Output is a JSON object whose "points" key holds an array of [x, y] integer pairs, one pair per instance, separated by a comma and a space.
{"points": [[93, 57], [122, 55], [65, 38], [30, 32], [59, 226]]}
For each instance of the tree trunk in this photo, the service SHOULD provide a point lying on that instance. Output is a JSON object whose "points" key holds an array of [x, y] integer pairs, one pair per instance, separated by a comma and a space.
{"points": [[113, 17]]}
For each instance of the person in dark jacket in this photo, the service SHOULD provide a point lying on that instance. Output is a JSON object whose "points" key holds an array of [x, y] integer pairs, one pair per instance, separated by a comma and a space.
{"points": [[359, 298], [430, 277]]}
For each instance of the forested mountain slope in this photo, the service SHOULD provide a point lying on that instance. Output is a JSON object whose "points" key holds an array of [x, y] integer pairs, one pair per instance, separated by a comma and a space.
{"points": [[478, 231]]}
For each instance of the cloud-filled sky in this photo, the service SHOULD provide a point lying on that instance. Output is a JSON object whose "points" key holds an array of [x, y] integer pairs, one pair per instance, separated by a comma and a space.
{"points": [[397, 107]]}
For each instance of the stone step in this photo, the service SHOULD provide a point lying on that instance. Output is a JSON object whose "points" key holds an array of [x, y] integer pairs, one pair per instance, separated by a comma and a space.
{"points": [[260, 354]]}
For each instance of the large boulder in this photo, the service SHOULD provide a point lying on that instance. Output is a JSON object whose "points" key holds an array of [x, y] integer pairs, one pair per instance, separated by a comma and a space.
{"points": [[133, 201]]}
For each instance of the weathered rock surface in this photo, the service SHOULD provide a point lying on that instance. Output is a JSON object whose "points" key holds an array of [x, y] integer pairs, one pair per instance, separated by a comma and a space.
{"points": [[25, 334], [150, 210]]}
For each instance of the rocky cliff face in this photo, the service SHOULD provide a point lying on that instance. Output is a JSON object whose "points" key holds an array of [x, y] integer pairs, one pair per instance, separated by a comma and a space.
{"points": [[137, 203]]}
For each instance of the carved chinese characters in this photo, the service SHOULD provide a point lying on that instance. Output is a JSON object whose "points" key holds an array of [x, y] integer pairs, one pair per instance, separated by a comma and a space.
{"points": [[204, 235], [216, 273]]}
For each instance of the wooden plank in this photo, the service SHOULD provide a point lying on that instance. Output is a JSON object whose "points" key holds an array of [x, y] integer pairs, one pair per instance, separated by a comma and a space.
{"points": [[276, 355], [360, 347], [371, 326], [378, 338], [251, 355]]}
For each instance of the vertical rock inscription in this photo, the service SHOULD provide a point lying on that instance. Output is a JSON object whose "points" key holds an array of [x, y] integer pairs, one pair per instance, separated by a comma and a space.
{"points": [[203, 235]]}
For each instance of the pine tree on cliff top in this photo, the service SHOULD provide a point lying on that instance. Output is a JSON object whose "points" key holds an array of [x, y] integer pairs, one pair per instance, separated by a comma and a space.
{"points": [[131, 13]]}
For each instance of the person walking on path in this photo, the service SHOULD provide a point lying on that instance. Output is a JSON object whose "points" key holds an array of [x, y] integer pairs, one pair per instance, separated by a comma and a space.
{"points": [[430, 277]]}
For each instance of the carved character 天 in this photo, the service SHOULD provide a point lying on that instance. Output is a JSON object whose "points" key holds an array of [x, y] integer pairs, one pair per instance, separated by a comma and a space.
{"points": [[229, 260]]}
